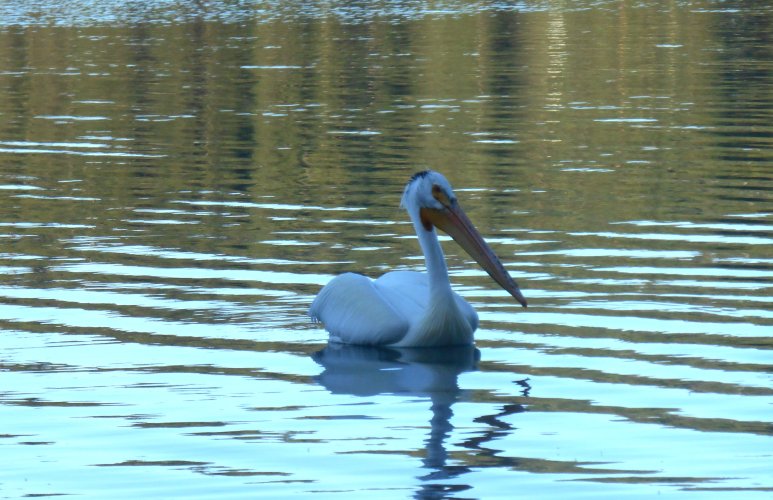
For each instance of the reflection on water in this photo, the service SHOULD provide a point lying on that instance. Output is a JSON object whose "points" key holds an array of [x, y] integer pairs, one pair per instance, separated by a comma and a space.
{"points": [[427, 375], [177, 183], [418, 373]]}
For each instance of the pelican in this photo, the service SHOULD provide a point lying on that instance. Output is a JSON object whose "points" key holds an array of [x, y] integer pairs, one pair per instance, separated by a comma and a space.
{"points": [[407, 308]]}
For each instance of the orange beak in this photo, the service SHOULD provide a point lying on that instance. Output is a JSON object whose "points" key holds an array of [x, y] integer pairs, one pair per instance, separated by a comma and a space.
{"points": [[458, 226]]}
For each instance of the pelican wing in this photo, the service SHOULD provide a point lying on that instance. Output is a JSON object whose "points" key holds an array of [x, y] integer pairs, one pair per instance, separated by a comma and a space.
{"points": [[355, 310], [407, 291]]}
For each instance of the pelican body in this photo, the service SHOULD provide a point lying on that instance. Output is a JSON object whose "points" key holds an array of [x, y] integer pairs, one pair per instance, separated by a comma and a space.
{"points": [[407, 308]]}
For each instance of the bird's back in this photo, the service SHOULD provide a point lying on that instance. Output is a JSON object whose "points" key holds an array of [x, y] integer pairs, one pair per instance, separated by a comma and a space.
{"points": [[355, 310]]}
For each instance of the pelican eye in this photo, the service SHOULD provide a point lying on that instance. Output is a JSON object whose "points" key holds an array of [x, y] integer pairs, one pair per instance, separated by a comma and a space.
{"points": [[440, 195]]}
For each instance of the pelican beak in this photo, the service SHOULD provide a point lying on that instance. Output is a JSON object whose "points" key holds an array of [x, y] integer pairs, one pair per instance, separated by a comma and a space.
{"points": [[458, 226]]}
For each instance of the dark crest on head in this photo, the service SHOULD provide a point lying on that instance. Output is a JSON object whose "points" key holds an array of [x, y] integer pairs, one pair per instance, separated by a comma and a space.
{"points": [[419, 175]]}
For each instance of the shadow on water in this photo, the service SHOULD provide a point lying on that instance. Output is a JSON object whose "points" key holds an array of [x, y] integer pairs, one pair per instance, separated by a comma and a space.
{"points": [[417, 372]]}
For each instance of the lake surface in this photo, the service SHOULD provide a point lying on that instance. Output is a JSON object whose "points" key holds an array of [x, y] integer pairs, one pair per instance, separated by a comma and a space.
{"points": [[179, 179]]}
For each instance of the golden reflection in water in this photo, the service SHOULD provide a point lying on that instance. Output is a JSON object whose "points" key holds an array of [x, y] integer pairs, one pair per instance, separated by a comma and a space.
{"points": [[290, 109]]}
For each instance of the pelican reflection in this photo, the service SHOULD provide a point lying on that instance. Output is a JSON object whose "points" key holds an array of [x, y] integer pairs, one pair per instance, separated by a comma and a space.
{"points": [[419, 372]]}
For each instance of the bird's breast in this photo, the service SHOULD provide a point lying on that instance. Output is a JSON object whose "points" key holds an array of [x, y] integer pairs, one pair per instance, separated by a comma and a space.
{"points": [[442, 324]]}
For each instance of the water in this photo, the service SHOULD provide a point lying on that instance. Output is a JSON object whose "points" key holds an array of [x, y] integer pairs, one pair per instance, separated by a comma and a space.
{"points": [[178, 180]]}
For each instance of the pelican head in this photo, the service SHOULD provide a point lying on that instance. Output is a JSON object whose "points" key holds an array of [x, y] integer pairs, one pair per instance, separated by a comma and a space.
{"points": [[431, 202]]}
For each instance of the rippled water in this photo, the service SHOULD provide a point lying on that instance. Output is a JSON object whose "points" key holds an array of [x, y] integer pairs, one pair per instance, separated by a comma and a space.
{"points": [[178, 181]]}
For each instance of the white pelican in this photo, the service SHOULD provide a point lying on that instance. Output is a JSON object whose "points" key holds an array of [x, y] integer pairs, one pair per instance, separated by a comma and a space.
{"points": [[406, 308]]}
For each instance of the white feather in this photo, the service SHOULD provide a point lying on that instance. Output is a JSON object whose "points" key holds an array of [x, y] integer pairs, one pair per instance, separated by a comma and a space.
{"points": [[355, 311]]}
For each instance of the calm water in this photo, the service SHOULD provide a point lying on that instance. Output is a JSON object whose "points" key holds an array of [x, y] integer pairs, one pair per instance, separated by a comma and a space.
{"points": [[178, 180]]}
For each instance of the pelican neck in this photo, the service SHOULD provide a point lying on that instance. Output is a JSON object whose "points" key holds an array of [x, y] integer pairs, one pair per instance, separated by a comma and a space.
{"points": [[434, 259]]}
